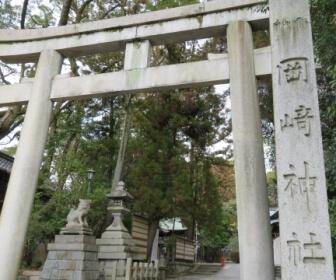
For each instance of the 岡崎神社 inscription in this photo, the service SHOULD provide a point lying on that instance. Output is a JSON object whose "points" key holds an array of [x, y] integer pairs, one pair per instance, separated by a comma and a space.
{"points": [[303, 208]]}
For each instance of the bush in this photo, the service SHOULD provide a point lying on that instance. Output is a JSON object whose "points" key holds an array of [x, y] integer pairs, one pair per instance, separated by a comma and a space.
{"points": [[234, 256]]}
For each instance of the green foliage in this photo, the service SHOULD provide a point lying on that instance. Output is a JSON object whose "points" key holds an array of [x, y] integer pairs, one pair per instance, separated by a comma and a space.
{"points": [[328, 120], [225, 233], [234, 243], [51, 209], [234, 256], [332, 71], [162, 181], [327, 103], [11, 151], [42, 17], [272, 188], [323, 23], [324, 28], [164, 4], [9, 15], [263, 8]]}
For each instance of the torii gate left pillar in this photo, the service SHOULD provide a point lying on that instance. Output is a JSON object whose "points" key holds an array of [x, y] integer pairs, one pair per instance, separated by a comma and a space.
{"points": [[255, 241], [23, 180]]}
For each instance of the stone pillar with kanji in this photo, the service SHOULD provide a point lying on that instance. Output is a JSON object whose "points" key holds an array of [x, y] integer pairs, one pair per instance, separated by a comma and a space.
{"points": [[303, 207]]}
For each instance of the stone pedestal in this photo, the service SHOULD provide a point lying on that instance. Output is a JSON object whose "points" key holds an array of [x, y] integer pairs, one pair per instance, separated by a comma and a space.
{"points": [[116, 245], [76, 229], [72, 257]]}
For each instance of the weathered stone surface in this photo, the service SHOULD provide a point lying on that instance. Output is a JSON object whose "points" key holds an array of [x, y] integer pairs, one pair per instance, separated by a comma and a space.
{"points": [[255, 242], [117, 235], [111, 245], [113, 256], [77, 219], [115, 242], [79, 239], [137, 55], [21, 187], [77, 259], [167, 77], [161, 27], [304, 220], [131, 20], [72, 247]]}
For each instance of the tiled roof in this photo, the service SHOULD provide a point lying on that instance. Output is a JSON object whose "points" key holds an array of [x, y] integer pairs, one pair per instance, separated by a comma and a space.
{"points": [[6, 163], [175, 224]]}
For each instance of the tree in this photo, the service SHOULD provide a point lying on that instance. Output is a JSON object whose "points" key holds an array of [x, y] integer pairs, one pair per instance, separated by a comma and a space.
{"points": [[324, 27], [164, 183], [214, 242]]}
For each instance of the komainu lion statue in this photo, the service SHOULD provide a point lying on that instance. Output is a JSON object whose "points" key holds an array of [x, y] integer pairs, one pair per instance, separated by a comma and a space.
{"points": [[79, 216]]}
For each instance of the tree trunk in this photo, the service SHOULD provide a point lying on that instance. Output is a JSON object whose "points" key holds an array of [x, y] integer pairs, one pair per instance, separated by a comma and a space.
{"points": [[65, 13], [123, 143], [24, 14], [152, 228]]}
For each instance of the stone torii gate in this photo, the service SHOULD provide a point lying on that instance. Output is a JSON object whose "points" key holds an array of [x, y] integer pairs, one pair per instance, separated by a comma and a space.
{"points": [[305, 234]]}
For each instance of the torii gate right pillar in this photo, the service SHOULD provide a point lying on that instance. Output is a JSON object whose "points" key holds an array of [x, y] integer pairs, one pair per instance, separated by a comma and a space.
{"points": [[304, 221]]}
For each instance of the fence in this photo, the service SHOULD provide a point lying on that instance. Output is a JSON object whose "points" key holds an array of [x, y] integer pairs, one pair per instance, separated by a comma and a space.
{"points": [[185, 249], [140, 234], [136, 271]]}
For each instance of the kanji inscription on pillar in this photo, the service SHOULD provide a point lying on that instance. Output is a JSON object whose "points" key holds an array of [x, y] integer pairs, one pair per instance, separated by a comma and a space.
{"points": [[303, 207], [305, 252], [300, 119], [293, 69], [303, 186]]}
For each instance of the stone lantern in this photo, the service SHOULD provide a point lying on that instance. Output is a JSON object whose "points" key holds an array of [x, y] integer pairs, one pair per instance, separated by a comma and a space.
{"points": [[116, 244], [118, 206]]}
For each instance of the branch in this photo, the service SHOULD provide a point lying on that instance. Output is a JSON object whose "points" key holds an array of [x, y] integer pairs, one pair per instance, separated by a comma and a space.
{"points": [[24, 14], [65, 13], [3, 78], [81, 10], [109, 11]]}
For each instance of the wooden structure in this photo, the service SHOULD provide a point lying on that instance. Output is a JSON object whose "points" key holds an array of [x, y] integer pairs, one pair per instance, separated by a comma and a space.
{"points": [[185, 249], [140, 234], [6, 164]]}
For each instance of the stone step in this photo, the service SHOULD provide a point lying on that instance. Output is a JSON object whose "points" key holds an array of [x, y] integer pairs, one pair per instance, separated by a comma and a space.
{"points": [[29, 275], [278, 271], [207, 269]]}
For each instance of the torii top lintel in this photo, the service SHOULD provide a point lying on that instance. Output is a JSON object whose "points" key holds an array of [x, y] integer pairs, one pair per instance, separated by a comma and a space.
{"points": [[180, 24]]}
